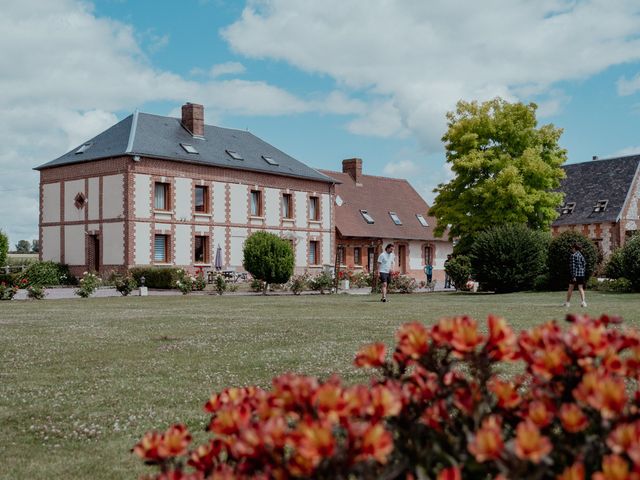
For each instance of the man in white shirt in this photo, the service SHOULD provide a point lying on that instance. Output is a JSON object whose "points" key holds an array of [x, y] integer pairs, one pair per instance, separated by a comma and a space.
{"points": [[385, 267]]}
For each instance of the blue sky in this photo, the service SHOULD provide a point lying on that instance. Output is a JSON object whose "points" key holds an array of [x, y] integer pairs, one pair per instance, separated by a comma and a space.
{"points": [[322, 81]]}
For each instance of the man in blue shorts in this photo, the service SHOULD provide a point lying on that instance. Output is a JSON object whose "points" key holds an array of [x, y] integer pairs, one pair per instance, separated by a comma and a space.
{"points": [[385, 266]]}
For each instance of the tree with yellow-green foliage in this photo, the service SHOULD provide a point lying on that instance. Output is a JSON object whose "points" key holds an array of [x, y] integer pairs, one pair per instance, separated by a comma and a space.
{"points": [[505, 167]]}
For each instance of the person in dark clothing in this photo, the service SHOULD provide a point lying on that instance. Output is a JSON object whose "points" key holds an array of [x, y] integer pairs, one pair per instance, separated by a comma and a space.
{"points": [[447, 278], [577, 272]]}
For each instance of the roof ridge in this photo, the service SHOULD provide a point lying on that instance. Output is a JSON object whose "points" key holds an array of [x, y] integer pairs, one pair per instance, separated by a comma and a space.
{"points": [[367, 175], [206, 125], [621, 157], [132, 132]]}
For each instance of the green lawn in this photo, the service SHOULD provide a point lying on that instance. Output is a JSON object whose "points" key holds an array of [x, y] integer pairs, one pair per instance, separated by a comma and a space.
{"points": [[82, 380]]}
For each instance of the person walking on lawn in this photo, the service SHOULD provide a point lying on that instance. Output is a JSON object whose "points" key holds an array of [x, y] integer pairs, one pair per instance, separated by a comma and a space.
{"points": [[385, 266], [577, 271]]}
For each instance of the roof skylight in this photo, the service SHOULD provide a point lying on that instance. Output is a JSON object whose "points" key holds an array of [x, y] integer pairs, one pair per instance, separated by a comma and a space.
{"points": [[234, 155], [188, 148], [367, 218], [600, 206], [270, 160], [568, 208], [422, 220], [396, 219], [84, 148]]}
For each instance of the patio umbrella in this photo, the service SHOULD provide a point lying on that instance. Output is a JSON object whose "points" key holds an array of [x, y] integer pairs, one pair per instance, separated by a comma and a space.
{"points": [[218, 260]]}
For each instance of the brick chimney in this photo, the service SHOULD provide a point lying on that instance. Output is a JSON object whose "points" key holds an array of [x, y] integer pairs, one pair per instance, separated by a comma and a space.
{"points": [[193, 118], [353, 166]]}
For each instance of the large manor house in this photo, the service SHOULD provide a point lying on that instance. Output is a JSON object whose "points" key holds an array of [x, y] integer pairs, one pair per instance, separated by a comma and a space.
{"points": [[154, 190]]}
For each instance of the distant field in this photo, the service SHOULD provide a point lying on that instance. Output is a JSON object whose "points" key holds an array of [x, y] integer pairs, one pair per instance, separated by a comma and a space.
{"points": [[82, 380]]}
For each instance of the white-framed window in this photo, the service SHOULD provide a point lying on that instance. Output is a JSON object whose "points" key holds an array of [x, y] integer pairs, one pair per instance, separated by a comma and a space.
{"points": [[422, 220], [396, 219], [367, 218]]}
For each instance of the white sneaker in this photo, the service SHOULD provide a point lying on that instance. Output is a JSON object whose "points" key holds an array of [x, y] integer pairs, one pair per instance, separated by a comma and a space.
{"points": [[583, 304], [566, 304]]}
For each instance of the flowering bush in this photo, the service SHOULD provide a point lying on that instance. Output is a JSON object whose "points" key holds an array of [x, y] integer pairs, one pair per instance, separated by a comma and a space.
{"points": [[87, 285], [7, 292], [185, 284], [200, 283], [321, 282], [36, 292], [437, 409], [220, 284], [361, 279], [125, 285], [298, 283]]}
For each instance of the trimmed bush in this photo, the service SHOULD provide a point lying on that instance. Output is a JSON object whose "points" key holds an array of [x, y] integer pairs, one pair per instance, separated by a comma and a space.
{"points": [[631, 261], [321, 282], [619, 285], [508, 258], [559, 255], [615, 265], [459, 270], [47, 274], [269, 258], [125, 285], [156, 277]]}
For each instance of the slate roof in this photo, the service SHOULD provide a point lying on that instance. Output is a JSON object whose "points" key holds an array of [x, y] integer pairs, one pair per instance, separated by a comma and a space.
{"points": [[156, 136], [379, 196], [589, 182]]}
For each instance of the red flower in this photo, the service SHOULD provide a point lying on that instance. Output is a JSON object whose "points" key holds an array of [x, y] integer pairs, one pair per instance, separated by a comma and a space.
{"points": [[506, 393], [174, 441], [574, 472], [371, 355], [451, 473], [487, 443], [530, 445], [412, 340], [573, 418], [465, 336], [374, 442], [147, 448], [539, 413], [314, 441], [502, 343], [614, 467]]}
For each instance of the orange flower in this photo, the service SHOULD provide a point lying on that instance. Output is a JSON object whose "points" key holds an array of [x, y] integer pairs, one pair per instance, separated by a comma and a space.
{"points": [[314, 441], [465, 336], [451, 473], [505, 392], [412, 340], [574, 472], [371, 355], [614, 467], [530, 445], [573, 418], [230, 420], [442, 332], [626, 439], [549, 361], [205, 456], [375, 443], [175, 441], [602, 392], [487, 444], [386, 401], [502, 343], [539, 414], [147, 448], [328, 400]]}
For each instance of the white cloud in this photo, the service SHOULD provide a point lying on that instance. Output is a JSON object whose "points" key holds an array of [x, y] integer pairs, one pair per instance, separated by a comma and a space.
{"points": [[401, 168], [64, 74], [628, 86], [423, 57], [228, 68], [633, 150]]}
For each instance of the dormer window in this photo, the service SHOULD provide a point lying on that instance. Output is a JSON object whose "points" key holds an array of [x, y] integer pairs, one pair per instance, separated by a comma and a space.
{"points": [[600, 206], [189, 148], [422, 220], [234, 155], [84, 148], [396, 219], [568, 208], [367, 218], [270, 161]]}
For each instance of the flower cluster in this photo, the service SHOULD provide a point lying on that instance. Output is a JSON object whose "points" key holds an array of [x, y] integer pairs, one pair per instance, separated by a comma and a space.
{"points": [[88, 284], [438, 408], [7, 292]]}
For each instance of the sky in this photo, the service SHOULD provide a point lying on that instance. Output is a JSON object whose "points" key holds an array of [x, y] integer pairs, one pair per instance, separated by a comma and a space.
{"points": [[322, 81]]}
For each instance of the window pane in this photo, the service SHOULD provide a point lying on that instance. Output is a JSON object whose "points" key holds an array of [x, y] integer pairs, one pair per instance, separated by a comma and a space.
{"points": [[255, 203], [201, 205], [199, 249], [160, 248], [313, 208], [357, 259], [312, 252], [286, 205], [160, 201]]}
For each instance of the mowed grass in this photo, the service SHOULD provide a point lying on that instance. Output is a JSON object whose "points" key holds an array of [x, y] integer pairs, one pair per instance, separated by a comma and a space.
{"points": [[82, 380]]}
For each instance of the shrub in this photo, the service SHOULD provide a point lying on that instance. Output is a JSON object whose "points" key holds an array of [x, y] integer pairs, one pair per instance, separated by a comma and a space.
{"points": [[185, 282], [269, 258], [232, 287], [4, 248], [48, 274], [321, 282], [299, 283], [402, 284], [125, 285], [36, 292], [220, 284], [559, 255], [618, 285], [200, 283], [9, 278], [256, 285], [88, 285], [541, 282], [156, 277], [631, 261], [615, 265], [459, 270], [437, 408], [361, 279], [508, 258], [7, 291]]}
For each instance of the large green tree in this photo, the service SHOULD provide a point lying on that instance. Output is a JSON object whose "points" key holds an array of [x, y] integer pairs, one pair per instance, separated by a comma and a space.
{"points": [[505, 169], [4, 248], [269, 258]]}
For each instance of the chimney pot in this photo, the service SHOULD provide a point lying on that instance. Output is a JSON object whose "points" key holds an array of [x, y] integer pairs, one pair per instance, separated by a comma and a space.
{"points": [[193, 118], [595, 157], [353, 166]]}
